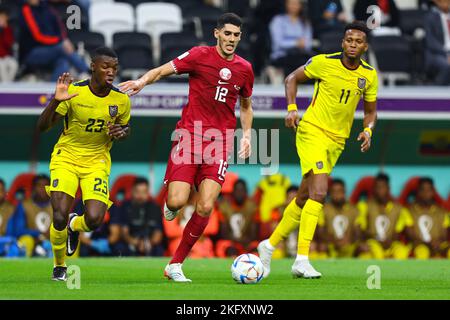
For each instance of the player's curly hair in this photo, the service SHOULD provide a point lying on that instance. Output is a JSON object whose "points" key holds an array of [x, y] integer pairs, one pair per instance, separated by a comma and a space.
{"points": [[358, 25], [104, 51], [230, 18]]}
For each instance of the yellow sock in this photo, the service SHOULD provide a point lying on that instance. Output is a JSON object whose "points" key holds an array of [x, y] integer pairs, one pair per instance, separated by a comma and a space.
{"points": [[79, 224], [58, 240], [308, 223], [290, 221]]}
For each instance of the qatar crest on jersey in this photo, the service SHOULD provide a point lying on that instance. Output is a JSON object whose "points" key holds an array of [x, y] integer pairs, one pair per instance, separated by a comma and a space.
{"points": [[361, 83], [113, 110], [225, 74]]}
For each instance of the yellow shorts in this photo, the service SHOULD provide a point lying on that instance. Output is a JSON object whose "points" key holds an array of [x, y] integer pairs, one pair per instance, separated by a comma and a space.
{"points": [[317, 150], [93, 182]]}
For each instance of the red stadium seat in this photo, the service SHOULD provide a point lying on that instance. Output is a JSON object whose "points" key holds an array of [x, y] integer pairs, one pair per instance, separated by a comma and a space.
{"points": [[364, 186], [123, 185], [23, 183], [411, 187]]}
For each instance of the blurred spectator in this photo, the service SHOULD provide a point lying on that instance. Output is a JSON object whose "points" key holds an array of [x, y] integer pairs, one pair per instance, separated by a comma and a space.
{"points": [[204, 247], [291, 35], [270, 194], [437, 42], [390, 15], [143, 230], [336, 227], [288, 247], [83, 4], [431, 223], [238, 228], [381, 222], [44, 43], [33, 217], [107, 239], [8, 244], [326, 15], [259, 29], [8, 65]]}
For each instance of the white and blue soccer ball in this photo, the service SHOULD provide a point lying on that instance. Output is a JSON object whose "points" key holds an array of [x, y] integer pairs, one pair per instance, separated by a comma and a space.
{"points": [[247, 268]]}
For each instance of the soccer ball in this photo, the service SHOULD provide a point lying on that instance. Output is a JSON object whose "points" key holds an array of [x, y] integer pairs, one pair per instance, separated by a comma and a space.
{"points": [[247, 268]]}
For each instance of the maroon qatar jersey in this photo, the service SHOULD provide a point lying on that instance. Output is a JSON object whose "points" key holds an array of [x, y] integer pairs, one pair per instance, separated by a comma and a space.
{"points": [[214, 86]]}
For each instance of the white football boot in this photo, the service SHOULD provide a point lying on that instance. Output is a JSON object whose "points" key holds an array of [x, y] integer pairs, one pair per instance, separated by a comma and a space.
{"points": [[169, 215], [265, 254], [173, 272], [303, 269]]}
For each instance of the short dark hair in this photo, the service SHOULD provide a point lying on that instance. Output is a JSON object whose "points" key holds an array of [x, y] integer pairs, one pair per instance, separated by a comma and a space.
{"points": [[39, 177], [140, 180], [104, 51], [382, 177], [2, 182], [358, 25], [230, 18], [292, 188], [4, 10], [425, 180], [240, 181], [337, 181]]}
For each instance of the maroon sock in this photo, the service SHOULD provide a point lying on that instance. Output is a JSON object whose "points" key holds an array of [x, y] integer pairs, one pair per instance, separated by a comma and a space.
{"points": [[192, 232]]}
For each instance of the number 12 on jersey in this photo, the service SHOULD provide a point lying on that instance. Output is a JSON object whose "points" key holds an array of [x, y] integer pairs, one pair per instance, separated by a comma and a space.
{"points": [[221, 94]]}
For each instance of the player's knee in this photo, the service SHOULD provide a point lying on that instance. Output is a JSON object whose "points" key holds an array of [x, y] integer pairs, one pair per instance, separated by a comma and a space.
{"points": [[204, 208], [175, 203], [60, 219], [93, 219], [318, 195]]}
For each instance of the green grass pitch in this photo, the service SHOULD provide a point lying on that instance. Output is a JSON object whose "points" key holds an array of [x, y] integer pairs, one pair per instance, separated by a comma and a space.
{"points": [[142, 278]]}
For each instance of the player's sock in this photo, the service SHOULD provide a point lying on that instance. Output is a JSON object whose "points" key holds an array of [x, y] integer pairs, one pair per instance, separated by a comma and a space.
{"points": [[192, 232], [79, 224], [58, 240], [289, 222], [308, 223]]}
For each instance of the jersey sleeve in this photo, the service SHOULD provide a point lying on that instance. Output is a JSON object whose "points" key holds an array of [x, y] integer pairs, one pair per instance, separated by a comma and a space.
{"points": [[370, 95], [124, 118], [405, 220], [314, 67], [186, 62], [247, 90], [64, 106]]}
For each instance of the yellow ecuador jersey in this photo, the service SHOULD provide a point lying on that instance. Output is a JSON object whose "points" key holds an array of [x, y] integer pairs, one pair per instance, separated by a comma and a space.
{"points": [[337, 91], [85, 140]]}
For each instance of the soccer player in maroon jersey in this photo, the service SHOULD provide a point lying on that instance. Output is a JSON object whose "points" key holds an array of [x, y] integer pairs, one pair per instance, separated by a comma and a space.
{"points": [[217, 77]]}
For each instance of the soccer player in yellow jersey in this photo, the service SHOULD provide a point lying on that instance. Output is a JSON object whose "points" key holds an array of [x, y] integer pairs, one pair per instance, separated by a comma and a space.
{"points": [[95, 114], [342, 79]]}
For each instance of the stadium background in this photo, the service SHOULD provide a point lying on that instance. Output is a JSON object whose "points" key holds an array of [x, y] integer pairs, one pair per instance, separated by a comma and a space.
{"points": [[412, 137]]}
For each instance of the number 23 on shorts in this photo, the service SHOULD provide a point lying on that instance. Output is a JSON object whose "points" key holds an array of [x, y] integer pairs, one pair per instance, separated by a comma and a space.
{"points": [[101, 186]]}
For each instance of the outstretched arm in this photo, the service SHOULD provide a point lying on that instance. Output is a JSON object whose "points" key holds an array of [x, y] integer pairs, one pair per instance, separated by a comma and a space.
{"points": [[246, 115], [290, 86], [49, 116], [132, 87], [370, 119]]}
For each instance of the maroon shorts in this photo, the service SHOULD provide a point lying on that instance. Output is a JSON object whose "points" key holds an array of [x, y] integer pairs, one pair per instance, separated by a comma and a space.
{"points": [[196, 164]]}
